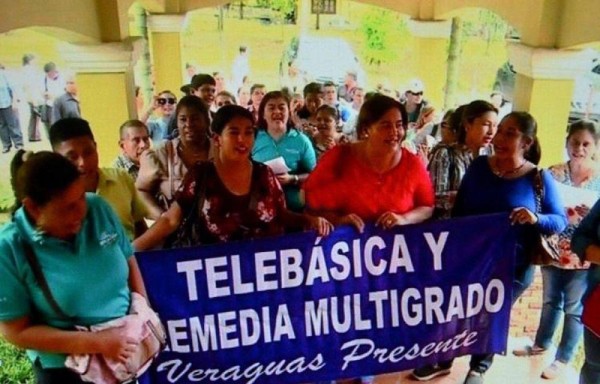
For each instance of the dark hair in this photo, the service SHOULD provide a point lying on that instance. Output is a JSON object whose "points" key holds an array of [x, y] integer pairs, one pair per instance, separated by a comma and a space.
{"points": [[261, 123], [193, 102], [228, 94], [584, 125], [227, 113], [375, 107], [312, 89], [129, 124], [201, 79], [528, 127], [69, 128], [329, 84], [333, 112], [470, 112], [15, 164], [44, 176], [49, 66], [27, 58], [256, 86]]}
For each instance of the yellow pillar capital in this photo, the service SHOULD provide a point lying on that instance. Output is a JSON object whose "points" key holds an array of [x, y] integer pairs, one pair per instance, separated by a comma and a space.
{"points": [[432, 38], [544, 87], [165, 49], [106, 90]]}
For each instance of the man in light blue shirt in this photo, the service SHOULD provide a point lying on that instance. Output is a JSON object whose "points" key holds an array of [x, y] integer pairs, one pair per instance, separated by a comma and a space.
{"points": [[10, 131]]}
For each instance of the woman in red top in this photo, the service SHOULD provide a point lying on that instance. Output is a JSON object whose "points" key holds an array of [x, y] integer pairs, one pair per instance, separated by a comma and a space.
{"points": [[373, 179]]}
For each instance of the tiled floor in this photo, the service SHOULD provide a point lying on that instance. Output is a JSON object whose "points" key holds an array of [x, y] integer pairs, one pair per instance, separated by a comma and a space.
{"points": [[506, 370]]}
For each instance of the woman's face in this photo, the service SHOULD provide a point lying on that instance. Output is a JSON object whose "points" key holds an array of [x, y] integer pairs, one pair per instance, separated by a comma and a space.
{"points": [[192, 125], [257, 96], [326, 124], [581, 146], [510, 141], [313, 101], [61, 217], [237, 139], [167, 103], [448, 135], [388, 132], [482, 129], [276, 114]]}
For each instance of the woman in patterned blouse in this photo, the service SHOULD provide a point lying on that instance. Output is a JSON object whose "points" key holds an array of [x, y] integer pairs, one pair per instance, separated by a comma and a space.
{"points": [[565, 282], [230, 197]]}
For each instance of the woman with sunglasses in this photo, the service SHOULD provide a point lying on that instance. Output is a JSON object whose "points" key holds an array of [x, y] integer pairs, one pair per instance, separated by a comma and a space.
{"points": [[162, 168], [158, 126]]}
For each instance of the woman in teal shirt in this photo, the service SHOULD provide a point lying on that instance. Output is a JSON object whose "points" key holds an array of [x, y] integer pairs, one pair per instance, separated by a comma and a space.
{"points": [[276, 138], [86, 259]]}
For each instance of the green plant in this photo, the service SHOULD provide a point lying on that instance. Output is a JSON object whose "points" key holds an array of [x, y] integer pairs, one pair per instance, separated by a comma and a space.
{"points": [[15, 368]]}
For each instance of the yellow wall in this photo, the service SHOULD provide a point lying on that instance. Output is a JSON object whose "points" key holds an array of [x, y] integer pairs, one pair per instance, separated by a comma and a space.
{"points": [[166, 57], [431, 55], [106, 104], [549, 102]]}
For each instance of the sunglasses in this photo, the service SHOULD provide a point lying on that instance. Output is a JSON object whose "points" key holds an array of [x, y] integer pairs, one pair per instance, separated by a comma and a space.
{"points": [[416, 93], [165, 100]]}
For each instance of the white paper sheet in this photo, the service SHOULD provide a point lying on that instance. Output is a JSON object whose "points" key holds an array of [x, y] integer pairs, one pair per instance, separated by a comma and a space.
{"points": [[573, 196], [278, 165]]}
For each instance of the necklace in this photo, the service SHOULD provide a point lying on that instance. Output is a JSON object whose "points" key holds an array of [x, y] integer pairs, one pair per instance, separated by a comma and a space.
{"points": [[510, 172]]}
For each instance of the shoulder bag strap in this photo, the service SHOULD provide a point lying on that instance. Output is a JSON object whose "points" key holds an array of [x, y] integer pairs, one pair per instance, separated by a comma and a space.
{"points": [[538, 186], [41, 280], [169, 148]]}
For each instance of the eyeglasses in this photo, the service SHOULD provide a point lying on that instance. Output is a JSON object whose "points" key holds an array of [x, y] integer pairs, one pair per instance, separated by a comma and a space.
{"points": [[416, 93], [165, 100]]}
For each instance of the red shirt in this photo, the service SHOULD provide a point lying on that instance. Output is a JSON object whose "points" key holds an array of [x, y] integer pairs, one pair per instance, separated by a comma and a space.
{"points": [[343, 184]]}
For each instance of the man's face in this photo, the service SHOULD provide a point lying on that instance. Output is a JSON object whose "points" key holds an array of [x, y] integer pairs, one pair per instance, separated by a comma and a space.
{"points": [[71, 86], [53, 74], [135, 140], [330, 95], [206, 92], [414, 97], [81, 151]]}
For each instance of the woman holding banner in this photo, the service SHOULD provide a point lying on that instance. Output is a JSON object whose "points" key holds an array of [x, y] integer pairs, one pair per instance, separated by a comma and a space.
{"points": [[230, 197], [565, 281], [74, 243], [374, 179], [505, 182]]}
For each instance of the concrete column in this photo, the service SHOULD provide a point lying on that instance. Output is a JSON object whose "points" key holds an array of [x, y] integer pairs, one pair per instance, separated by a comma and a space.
{"points": [[165, 50], [106, 90], [431, 38], [544, 87]]}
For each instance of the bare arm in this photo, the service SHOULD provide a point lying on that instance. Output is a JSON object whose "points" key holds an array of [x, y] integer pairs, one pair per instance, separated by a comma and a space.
{"points": [[166, 224], [592, 253], [154, 210], [136, 282], [110, 343]]}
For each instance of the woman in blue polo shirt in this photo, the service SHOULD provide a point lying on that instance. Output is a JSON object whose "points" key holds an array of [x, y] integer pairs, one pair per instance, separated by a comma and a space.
{"points": [[277, 139], [86, 259]]}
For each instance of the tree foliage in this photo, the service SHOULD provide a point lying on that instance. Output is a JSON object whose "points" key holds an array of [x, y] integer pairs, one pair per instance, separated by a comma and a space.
{"points": [[378, 27]]}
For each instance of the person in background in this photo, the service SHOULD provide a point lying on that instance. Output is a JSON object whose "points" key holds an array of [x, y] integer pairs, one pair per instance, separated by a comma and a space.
{"points": [[327, 136], [10, 130], [257, 92], [565, 281], [220, 83], [504, 106], [476, 124], [413, 100], [243, 96], [230, 197], [346, 91], [72, 138], [159, 126], [277, 139], [586, 244], [224, 98], [163, 167], [53, 85], [296, 105], [134, 139], [30, 78], [506, 182], [204, 87], [190, 71], [240, 68], [62, 226], [67, 104], [313, 99], [330, 97]]}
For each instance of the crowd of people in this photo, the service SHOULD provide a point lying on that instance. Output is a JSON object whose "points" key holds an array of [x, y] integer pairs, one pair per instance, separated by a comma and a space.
{"points": [[211, 168]]}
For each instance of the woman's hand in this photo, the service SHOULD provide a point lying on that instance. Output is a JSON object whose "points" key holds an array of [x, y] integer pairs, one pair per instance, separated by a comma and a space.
{"points": [[286, 179], [115, 345], [390, 219], [319, 224], [582, 210], [522, 215], [354, 220]]}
